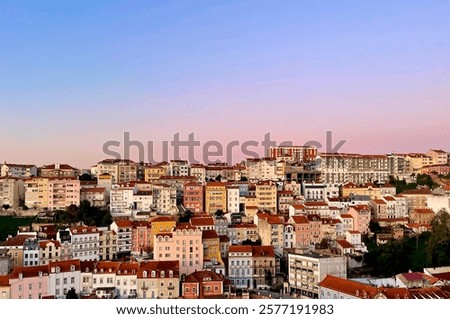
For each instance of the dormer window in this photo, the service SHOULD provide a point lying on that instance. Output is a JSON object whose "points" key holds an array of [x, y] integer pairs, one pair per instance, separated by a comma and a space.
{"points": [[72, 268], [153, 274], [170, 273], [144, 274], [163, 273], [58, 269]]}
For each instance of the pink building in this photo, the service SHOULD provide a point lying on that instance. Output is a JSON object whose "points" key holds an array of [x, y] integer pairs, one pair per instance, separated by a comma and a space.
{"points": [[140, 237], [193, 197], [29, 282], [202, 284], [361, 218], [315, 228], [302, 230], [184, 244]]}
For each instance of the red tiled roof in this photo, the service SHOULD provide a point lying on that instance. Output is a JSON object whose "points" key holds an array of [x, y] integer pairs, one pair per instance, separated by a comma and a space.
{"points": [[300, 219], [424, 211], [263, 251], [420, 191], [346, 216], [203, 275], [128, 268], [28, 272], [107, 266], [16, 240], [93, 190], [65, 265], [348, 287], [209, 234], [240, 249], [344, 244], [83, 230], [202, 221], [44, 243], [123, 223], [4, 281], [158, 267]]}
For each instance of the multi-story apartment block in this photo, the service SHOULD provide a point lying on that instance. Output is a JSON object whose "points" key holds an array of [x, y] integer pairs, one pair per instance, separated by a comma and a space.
{"points": [[414, 162], [389, 207], [340, 168], [201, 285], [438, 157], [319, 191], [14, 245], [104, 279], [165, 199], [49, 251], [29, 282], [141, 234], [211, 252], [123, 229], [160, 224], [261, 169], [84, 241], [193, 197], [421, 216], [126, 279], [56, 193], [153, 173], [179, 168], [31, 252], [184, 244], [240, 265], [251, 266], [58, 170], [298, 154], [266, 196], [158, 279], [12, 192], [122, 171], [307, 270], [243, 231], [417, 198], [285, 198], [18, 170], [270, 229], [368, 189], [107, 244], [233, 199], [215, 197], [361, 218], [64, 276], [96, 196], [199, 171]]}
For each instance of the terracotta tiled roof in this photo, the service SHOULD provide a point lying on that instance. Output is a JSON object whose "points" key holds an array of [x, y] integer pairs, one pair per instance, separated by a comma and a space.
{"points": [[420, 191], [16, 240], [44, 243], [344, 244], [65, 265], [203, 275], [348, 287], [28, 272], [263, 251], [124, 223], [158, 267], [424, 211], [300, 219], [209, 234], [107, 266], [240, 249], [83, 230], [128, 268], [202, 221]]}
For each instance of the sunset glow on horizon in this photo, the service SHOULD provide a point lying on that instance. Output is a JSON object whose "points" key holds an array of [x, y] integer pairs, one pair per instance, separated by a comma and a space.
{"points": [[76, 75]]}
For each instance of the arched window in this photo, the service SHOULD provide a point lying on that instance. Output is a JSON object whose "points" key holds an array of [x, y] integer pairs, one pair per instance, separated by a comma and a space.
{"points": [[153, 274], [144, 274]]}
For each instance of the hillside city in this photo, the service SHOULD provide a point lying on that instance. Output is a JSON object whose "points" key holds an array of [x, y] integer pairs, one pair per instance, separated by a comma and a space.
{"points": [[297, 223]]}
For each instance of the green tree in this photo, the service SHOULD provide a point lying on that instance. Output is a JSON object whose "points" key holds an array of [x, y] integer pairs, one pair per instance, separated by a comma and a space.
{"points": [[438, 246]]}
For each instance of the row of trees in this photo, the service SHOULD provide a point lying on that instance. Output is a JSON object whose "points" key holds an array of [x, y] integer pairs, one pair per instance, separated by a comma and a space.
{"points": [[86, 213], [431, 249], [421, 180]]}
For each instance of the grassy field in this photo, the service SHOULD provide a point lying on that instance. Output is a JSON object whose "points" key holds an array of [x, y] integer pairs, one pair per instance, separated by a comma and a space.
{"points": [[9, 224]]}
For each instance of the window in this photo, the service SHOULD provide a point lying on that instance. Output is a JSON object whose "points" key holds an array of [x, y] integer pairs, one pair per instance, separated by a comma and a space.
{"points": [[65, 281], [72, 280]]}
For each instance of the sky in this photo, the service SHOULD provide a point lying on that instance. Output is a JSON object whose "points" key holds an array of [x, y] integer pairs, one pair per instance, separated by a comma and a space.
{"points": [[75, 75]]}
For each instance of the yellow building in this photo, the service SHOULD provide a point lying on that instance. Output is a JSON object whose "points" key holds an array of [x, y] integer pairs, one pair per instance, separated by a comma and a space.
{"points": [[266, 196], [215, 197], [36, 193], [211, 248], [160, 224], [415, 161], [153, 173], [271, 230], [368, 189]]}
